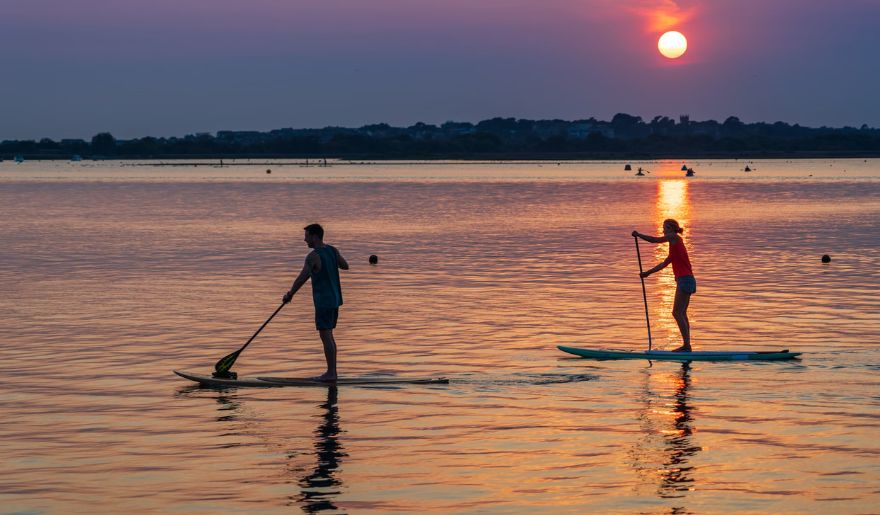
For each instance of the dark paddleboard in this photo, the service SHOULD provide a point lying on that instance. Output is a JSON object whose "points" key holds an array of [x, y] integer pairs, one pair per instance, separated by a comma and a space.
{"points": [[663, 355], [270, 382], [295, 381]]}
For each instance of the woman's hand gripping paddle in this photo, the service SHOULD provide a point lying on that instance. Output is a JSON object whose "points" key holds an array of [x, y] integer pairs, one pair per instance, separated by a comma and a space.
{"points": [[221, 368]]}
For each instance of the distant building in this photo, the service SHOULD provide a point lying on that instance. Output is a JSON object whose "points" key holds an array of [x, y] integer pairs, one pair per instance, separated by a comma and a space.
{"points": [[458, 128], [704, 129], [582, 130], [241, 137], [545, 129]]}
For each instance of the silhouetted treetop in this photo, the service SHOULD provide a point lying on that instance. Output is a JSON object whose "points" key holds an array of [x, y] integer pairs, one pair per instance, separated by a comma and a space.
{"points": [[625, 136]]}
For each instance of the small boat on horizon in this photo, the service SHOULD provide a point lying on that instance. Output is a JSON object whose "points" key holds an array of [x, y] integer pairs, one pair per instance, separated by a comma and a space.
{"points": [[627, 167], [19, 159], [690, 172]]}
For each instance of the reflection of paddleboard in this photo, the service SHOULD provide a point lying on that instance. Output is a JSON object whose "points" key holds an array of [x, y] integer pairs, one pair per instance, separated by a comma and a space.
{"points": [[267, 382], [663, 355]]}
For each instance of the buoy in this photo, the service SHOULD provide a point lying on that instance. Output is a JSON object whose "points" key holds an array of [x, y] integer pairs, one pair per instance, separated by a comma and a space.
{"points": [[268, 171], [627, 167], [684, 168], [826, 258], [374, 259], [747, 169]]}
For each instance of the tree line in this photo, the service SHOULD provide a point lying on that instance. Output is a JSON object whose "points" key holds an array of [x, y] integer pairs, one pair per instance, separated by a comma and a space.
{"points": [[624, 136]]}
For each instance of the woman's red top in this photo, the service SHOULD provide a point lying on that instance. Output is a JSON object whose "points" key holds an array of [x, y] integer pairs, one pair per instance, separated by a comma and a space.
{"points": [[678, 255]]}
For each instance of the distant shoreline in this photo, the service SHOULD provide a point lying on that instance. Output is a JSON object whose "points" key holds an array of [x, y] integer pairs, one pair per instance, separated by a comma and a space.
{"points": [[213, 159], [623, 138]]}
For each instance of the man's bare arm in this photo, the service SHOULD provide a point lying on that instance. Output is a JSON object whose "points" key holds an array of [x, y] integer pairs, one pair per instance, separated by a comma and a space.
{"points": [[343, 264], [308, 267]]}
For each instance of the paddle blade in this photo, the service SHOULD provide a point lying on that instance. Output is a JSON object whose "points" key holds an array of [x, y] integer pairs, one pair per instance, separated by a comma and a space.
{"points": [[225, 363]]}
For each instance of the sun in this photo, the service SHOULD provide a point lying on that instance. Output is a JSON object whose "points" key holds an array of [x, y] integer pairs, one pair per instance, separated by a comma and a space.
{"points": [[672, 44]]}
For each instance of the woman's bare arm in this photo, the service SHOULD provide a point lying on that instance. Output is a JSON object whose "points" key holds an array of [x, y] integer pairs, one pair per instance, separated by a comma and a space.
{"points": [[652, 239], [657, 268]]}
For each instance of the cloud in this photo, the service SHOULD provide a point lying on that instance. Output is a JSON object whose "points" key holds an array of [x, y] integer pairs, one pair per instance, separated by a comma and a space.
{"points": [[662, 15]]}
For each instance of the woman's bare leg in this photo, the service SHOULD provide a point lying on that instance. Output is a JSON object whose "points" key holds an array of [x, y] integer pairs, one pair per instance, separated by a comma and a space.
{"points": [[679, 312]]}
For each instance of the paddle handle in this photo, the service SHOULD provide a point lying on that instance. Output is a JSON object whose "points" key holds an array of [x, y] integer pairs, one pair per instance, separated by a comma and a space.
{"points": [[262, 326], [644, 292], [226, 362]]}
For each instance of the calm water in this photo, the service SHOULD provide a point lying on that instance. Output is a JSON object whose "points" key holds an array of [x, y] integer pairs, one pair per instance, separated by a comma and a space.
{"points": [[113, 274]]}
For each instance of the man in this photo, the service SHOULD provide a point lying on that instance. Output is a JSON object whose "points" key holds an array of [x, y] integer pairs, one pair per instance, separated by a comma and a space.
{"points": [[322, 267]]}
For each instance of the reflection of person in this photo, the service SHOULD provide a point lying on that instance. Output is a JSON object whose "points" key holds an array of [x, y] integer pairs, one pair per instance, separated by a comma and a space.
{"points": [[663, 455], [677, 470], [686, 284], [322, 267], [321, 485]]}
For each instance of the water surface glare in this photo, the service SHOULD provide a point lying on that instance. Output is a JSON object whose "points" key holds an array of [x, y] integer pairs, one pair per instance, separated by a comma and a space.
{"points": [[113, 274]]}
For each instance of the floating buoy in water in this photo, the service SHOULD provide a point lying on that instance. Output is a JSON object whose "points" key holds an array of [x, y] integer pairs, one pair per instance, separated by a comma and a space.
{"points": [[826, 258], [268, 171], [374, 259], [747, 169], [684, 168], [627, 167]]}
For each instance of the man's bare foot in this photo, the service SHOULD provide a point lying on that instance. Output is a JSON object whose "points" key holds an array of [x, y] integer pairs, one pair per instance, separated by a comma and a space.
{"points": [[326, 377], [683, 348]]}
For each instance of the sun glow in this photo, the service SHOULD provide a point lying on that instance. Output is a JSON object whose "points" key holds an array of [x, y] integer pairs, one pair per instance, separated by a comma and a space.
{"points": [[672, 44]]}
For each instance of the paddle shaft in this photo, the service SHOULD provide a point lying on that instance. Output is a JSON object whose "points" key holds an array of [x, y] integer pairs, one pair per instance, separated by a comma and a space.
{"points": [[226, 362], [644, 292]]}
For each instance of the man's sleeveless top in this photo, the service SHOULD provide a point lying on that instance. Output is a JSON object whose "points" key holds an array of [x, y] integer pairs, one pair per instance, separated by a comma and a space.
{"points": [[678, 255], [326, 291]]}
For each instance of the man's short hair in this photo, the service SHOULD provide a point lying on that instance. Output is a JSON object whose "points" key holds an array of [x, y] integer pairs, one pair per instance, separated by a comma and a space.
{"points": [[315, 229]]}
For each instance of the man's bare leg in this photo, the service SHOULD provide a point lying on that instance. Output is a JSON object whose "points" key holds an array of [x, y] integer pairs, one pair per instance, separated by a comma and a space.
{"points": [[329, 355], [679, 312]]}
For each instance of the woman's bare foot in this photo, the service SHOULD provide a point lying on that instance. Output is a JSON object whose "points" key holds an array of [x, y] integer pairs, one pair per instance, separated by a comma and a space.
{"points": [[683, 348]]}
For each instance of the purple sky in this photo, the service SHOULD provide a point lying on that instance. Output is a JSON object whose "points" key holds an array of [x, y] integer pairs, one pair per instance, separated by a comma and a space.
{"points": [[171, 67]]}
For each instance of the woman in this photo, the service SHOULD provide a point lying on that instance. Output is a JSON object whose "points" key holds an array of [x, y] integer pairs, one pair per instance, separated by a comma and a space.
{"points": [[684, 276]]}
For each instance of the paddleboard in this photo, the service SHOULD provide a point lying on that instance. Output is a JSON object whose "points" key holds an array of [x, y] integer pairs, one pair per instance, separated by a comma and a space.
{"points": [[295, 381], [663, 355], [270, 382]]}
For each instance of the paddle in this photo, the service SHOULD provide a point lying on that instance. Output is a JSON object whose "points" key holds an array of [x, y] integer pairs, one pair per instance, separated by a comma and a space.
{"points": [[644, 293], [221, 368]]}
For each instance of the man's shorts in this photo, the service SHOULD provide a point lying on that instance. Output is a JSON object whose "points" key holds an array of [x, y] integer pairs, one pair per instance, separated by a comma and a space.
{"points": [[326, 318], [687, 284]]}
